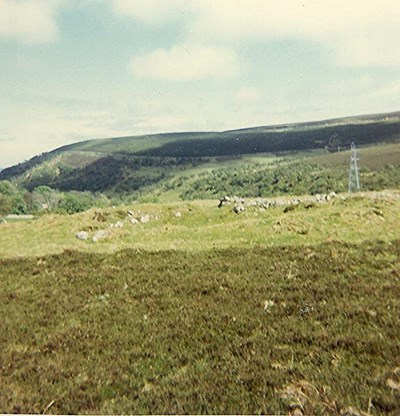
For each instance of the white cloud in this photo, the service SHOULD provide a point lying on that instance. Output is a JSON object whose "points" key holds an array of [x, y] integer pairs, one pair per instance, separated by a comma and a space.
{"points": [[33, 130], [248, 95], [186, 62], [354, 33], [151, 11], [29, 21]]}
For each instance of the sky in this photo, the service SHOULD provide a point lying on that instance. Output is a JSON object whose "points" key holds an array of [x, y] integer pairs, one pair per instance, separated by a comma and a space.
{"points": [[73, 70]]}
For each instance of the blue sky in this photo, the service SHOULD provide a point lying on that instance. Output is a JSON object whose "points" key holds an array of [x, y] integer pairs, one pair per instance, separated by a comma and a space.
{"points": [[73, 70]]}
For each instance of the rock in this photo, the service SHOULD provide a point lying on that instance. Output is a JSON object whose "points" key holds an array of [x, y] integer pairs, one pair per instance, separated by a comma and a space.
{"points": [[82, 235], [178, 215], [238, 200], [226, 200], [145, 219], [268, 304], [119, 224], [295, 201], [130, 213], [332, 195], [289, 208], [378, 212], [101, 234], [306, 309], [134, 221], [238, 208]]}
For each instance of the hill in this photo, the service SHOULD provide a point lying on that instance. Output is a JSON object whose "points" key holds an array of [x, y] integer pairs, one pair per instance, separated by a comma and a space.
{"points": [[142, 163]]}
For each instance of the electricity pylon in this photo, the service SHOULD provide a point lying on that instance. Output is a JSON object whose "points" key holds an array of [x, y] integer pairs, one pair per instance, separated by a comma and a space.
{"points": [[354, 182]]}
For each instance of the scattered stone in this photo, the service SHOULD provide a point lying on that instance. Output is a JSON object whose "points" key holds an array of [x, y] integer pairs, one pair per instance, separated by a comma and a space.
{"points": [[306, 309], [101, 234], [332, 195], [238, 200], [268, 304], [393, 384], [226, 200], [178, 215], [104, 297], [238, 209], [145, 219], [82, 235], [378, 212], [134, 221], [119, 224], [130, 213]]}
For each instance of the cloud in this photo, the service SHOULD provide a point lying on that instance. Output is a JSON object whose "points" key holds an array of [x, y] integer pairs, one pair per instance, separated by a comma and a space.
{"points": [[186, 62], [248, 95], [29, 21], [151, 11], [353, 33]]}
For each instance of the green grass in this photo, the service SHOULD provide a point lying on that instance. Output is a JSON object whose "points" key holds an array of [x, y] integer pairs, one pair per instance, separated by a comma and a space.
{"points": [[178, 332], [373, 157], [170, 316], [140, 163], [204, 226]]}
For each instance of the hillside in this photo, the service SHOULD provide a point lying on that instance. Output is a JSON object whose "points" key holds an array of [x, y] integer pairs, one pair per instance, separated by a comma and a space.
{"points": [[270, 311], [139, 163]]}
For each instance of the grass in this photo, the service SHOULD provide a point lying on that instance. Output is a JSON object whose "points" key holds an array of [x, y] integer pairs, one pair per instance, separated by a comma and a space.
{"points": [[179, 332], [373, 157], [202, 226], [210, 312]]}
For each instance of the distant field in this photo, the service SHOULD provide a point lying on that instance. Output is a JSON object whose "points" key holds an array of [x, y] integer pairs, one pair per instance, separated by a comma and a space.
{"points": [[372, 157]]}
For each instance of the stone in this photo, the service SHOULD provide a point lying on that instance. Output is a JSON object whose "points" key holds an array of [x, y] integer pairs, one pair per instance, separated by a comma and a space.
{"points": [[238, 208], [134, 221], [226, 200], [100, 235], [145, 219], [119, 224], [82, 235], [178, 215], [130, 213], [238, 200]]}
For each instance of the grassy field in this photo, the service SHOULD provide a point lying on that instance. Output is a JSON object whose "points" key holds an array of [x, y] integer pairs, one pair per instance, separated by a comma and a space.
{"points": [[201, 226], [204, 312]]}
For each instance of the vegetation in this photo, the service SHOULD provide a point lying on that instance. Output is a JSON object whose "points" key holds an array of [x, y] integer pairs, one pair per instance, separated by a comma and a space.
{"points": [[135, 165], [16, 200], [232, 331], [184, 307]]}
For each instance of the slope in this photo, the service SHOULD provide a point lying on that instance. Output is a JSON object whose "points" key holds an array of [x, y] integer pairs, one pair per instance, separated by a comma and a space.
{"points": [[129, 164]]}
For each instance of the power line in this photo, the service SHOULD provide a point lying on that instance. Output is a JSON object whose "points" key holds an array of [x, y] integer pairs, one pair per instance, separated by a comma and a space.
{"points": [[354, 181]]}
